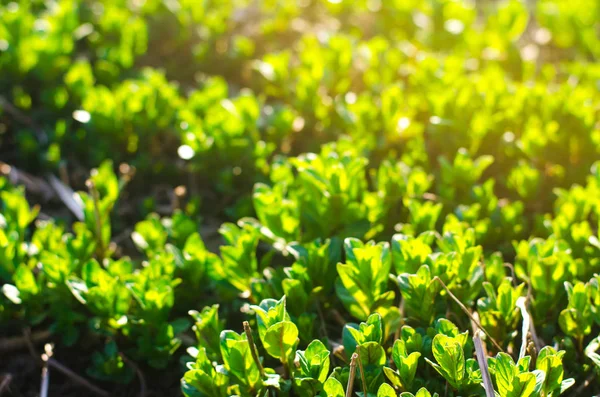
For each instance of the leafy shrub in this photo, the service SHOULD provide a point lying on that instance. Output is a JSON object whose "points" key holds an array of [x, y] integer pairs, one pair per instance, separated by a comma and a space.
{"points": [[407, 193]]}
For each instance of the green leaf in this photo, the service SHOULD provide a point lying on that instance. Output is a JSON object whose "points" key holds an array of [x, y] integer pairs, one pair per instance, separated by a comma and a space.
{"points": [[386, 390], [314, 361], [238, 359], [450, 357], [281, 339], [363, 278], [550, 362], [208, 328], [333, 388], [268, 313], [372, 354]]}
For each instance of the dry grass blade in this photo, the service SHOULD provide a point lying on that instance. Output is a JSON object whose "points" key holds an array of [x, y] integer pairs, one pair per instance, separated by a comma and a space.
{"points": [[525, 328], [468, 313], [539, 344], [65, 193], [483, 366]]}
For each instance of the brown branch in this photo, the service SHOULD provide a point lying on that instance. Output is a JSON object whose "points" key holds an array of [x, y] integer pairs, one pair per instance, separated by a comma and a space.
{"points": [[362, 372], [352, 375]]}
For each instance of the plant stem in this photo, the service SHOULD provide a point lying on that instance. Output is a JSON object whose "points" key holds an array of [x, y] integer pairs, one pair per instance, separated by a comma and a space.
{"points": [[468, 313], [253, 349], [362, 372], [352, 375], [401, 310], [95, 197], [286, 369], [323, 327]]}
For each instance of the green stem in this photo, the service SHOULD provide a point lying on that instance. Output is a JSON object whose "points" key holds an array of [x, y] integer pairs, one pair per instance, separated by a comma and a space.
{"points": [[96, 198]]}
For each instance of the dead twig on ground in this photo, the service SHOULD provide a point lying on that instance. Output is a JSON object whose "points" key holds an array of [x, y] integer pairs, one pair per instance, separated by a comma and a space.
{"points": [[138, 372], [53, 364], [6, 379], [20, 342]]}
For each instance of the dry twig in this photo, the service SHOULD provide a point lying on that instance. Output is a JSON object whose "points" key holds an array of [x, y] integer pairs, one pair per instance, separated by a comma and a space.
{"points": [[53, 364], [352, 375], [362, 372], [6, 379], [468, 313], [138, 372], [20, 342]]}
